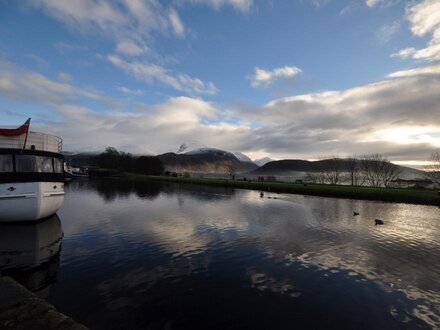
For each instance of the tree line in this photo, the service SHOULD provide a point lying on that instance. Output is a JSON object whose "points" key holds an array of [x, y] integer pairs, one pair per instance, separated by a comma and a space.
{"points": [[126, 162], [432, 168], [373, 170]]}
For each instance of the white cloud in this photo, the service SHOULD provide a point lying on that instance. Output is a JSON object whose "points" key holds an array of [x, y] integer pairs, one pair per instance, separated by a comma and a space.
{"points": [[31, 86], [152, 73], [372, 3], [319, 3], [427, 70], [386, 32], [345, 122], [424, 19], [176, 23], [351, 6], [65, 48], [377, 117], [131, 23], [355, 5], [129, 91], [405, 53], [264, 77], [116, 20], [195, 85], [42, 63], [131, 48], [65, 77], [241, 5], [7, 86], [381, 3], [156, 128]]}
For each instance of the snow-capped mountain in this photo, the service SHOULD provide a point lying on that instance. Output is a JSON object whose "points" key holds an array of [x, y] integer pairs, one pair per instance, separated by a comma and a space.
{"points": [[241, 156], [204, 150], [189, 145], [207, 160], [263, 161]]}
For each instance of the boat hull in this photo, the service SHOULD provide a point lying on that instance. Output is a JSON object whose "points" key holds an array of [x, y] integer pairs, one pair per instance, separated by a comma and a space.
{"points": [[30, 253], [30, 201]]}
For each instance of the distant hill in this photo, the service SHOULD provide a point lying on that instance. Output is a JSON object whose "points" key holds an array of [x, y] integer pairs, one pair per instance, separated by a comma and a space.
{"points": [[293, 166], [201, 160], [79, 159], [217, 161], [206, 160], [285, 166]]}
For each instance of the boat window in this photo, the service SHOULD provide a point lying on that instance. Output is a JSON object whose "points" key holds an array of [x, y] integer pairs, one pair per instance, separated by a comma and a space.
{"points": [[58, 165], [6, 163], [39, 164], [26, 163], [44, 164]]}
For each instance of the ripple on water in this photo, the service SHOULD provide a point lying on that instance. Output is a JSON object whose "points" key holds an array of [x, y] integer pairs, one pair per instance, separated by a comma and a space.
{"points": [[211, 257]]}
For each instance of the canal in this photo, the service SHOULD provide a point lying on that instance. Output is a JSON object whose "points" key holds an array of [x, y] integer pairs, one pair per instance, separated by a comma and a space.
{"points": [[122, 254]]}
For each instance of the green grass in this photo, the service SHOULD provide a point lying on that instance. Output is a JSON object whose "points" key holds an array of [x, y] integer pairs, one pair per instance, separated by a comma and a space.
{"points": [[414, 196]]}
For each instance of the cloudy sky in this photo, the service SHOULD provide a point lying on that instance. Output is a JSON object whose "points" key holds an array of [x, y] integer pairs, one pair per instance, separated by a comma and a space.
{"points": [[284, 79]]}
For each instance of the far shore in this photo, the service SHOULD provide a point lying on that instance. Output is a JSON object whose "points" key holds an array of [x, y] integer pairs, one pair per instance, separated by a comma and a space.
{"points": [[396, 195]]}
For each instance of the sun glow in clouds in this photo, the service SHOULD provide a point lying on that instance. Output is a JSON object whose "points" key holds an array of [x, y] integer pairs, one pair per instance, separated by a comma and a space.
{"points": [[408, 135]]}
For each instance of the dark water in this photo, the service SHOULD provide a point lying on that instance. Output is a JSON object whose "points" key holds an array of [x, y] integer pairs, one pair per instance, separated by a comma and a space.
{"points": [[167, 256]]}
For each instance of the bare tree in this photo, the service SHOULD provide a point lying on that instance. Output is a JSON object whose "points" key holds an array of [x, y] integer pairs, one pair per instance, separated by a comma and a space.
{"points": [[328, 170], [371, 169], [316, 177], [432, 169], [377, 170], [311, 177], [333, 170], [390, 173], [320, 177], [352, 167]]}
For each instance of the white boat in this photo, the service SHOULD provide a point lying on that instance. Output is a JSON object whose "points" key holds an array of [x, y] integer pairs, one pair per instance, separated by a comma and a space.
{"points": [[31, 174]]}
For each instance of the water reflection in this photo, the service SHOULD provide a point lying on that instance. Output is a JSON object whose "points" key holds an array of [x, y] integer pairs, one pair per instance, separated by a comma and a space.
{"points": [[110, 190], [401, 256], [30, 253], [205, 257]]}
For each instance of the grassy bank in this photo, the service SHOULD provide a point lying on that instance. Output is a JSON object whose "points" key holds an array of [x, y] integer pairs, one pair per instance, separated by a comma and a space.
{"points": [[414, 196]]}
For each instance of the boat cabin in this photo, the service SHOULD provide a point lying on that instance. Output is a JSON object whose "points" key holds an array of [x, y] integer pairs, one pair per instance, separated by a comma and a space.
{"points": [[37, 158]]}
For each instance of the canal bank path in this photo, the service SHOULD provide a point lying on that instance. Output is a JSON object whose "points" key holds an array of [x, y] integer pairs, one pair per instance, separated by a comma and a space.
{"points": [[22, 309]]}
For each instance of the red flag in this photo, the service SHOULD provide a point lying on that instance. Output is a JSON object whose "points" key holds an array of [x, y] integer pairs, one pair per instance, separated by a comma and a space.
{"points": [[23, 129]]}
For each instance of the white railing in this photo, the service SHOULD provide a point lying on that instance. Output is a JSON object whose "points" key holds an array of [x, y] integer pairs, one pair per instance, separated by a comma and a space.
{"points": [[40, 141]]}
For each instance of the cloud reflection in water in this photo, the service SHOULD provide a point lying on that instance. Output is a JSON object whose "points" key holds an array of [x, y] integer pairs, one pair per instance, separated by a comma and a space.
{"points": [[188, 241]]}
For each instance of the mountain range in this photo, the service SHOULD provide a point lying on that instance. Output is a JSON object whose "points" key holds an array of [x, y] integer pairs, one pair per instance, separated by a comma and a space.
{"points": [[207, 160], [287, 167], [217, 161]]}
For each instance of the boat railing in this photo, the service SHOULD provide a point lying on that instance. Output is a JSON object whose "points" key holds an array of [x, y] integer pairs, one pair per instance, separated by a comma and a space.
{"points": [[34, 140]]}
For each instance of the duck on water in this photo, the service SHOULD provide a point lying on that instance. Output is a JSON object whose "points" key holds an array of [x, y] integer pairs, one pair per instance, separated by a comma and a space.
{"points": [[31, 174]]}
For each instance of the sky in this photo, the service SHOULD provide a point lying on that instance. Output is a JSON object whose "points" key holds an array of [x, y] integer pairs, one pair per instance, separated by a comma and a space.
{"points": [[297, 79]]}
